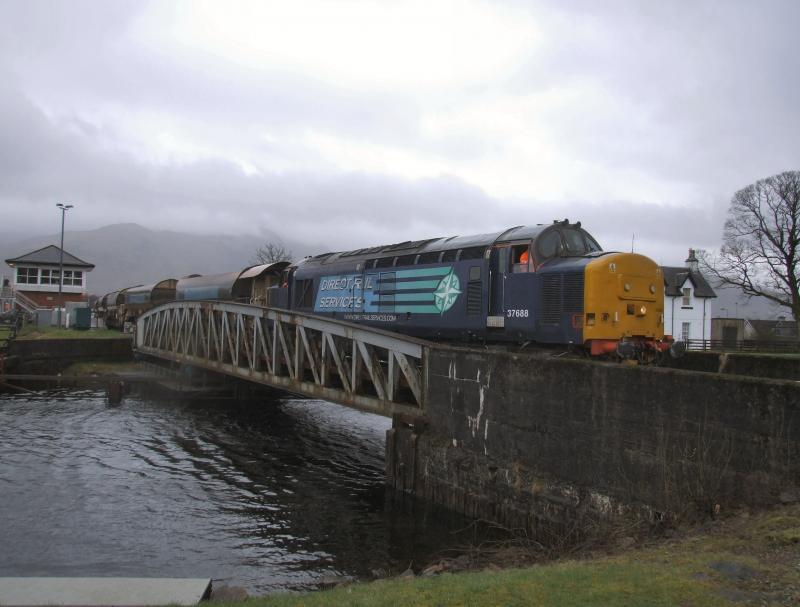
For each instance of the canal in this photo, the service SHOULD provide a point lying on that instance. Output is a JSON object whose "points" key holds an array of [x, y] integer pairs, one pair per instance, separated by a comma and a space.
{"points": [[270, 495]]}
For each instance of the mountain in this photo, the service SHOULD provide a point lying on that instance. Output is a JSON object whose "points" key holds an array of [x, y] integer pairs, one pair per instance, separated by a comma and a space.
{"points": [[128, 254]]}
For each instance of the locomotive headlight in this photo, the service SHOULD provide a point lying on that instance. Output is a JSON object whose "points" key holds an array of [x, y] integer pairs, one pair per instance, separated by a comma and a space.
{"points": [[627, 286], [642, 311], [653, 289]]}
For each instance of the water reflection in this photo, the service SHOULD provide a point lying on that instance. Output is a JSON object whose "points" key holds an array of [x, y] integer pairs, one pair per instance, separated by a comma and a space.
{"points": [[270, 494]]}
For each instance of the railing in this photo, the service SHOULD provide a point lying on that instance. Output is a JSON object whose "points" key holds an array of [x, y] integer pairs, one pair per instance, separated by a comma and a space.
{"points": [[357, 366], [745, 345], [24, 302]]}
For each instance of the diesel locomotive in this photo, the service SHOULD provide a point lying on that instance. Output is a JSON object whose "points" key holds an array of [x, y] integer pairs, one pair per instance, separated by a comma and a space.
{"points": [[549, 284]]}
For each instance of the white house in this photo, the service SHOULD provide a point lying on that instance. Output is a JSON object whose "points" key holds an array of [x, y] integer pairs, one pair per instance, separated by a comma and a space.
{"points": [[687, 301], [36, 275]]}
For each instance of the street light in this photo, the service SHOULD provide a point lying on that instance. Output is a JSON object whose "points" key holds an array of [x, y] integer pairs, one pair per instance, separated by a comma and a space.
{"points": [[64, 208]]}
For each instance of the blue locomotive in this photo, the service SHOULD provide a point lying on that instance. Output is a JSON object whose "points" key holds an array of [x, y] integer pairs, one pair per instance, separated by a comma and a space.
{"points": [[551, 284]]}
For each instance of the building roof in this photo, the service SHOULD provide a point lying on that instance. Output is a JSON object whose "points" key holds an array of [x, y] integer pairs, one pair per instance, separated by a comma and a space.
{"points": [[49, 256], [774, 329], [674, 277]]}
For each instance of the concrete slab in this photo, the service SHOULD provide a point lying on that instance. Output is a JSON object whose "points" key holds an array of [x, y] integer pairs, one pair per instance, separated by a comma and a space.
{"points": [[117, 591]]}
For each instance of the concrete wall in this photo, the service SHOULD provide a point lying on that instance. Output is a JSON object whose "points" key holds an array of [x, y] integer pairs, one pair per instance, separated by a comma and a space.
{"points": [[525, 439], [50, 355]]}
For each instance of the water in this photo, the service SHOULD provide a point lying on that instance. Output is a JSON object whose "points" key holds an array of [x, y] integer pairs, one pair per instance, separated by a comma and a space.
{"points": [[269, 495]]}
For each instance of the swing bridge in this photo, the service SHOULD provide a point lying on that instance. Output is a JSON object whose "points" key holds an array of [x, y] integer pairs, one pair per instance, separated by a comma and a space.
{"points": [[354, 365]]}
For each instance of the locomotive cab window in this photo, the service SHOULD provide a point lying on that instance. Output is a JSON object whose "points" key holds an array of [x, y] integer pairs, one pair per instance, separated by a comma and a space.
{"points": [[520, 258], [548, 245], [574, 243], [578, 242]]}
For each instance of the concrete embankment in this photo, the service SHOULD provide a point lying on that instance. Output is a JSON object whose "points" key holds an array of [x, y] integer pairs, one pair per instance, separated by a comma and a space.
{"points": [[524, 440]]}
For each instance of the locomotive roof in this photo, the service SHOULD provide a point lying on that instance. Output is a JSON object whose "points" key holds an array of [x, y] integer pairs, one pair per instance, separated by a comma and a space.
{"points": [[413, 247], [224, 280], [167, 283], [114, 298], [227, 281]]}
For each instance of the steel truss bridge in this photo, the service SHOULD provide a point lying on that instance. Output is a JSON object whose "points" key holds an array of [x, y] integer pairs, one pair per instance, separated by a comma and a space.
{"points": [[353, 365]]}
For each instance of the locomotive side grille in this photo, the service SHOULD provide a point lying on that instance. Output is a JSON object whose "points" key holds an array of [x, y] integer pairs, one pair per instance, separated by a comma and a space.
{"points": [[573, 293], [561, 294], [474, 292], [551, 299]]}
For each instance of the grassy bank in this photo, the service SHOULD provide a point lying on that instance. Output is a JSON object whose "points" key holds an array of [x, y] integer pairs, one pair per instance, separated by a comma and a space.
{"points": [[31, 332], [745, 559]]}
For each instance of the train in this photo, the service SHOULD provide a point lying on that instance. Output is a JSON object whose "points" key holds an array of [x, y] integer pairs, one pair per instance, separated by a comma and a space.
{"points": [[119, 309], [547, 284]]}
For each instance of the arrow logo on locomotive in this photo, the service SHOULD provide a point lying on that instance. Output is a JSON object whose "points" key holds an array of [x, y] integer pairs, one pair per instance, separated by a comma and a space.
{"points": [[446, 292]]}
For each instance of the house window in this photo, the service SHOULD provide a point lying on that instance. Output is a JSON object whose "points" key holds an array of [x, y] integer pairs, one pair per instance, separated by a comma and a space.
{"points": [[49, 277], [27, 276], [685, 331], [73, 278], [687, 297]]}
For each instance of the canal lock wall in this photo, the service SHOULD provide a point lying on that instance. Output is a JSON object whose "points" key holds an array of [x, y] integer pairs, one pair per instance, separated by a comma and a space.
{"points": [[47, 356], [524, 441]]}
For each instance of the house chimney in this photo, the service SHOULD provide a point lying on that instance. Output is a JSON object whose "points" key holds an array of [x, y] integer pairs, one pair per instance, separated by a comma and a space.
{"points": [[691, 262]]}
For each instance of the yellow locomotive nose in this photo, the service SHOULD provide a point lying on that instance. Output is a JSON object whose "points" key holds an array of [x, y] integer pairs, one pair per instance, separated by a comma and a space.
{"points": [[623, 298]]}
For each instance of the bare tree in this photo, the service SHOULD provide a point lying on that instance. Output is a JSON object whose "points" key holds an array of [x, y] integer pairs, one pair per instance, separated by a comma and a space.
{"points": [[270, 252], [760, 250]]}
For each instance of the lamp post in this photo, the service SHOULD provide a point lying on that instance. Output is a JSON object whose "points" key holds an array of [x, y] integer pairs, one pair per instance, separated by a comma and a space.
{"points": [[64, 208]]}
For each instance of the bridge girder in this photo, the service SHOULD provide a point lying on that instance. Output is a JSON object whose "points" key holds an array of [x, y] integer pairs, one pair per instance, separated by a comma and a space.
{"points": [[360, 367]]}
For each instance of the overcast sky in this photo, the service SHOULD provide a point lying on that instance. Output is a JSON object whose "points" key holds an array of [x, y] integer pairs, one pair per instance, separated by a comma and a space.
{"points": [[368, 122]]}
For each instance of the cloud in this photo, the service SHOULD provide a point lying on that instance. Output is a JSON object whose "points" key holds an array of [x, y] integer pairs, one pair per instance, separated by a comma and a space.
{"points": [[360, 123]]}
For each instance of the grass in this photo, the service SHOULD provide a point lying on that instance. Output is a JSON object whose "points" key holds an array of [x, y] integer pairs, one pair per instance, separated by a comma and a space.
{"points": [[727, 562], [32, 332]]}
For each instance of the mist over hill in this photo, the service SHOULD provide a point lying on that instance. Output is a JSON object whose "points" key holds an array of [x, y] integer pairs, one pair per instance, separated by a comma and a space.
{"points": [[129, 254]]}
